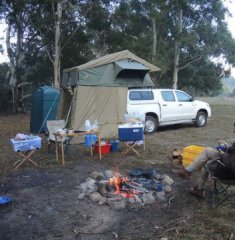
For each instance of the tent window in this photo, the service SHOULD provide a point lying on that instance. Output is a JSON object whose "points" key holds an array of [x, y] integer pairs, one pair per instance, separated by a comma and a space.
{"points": [[136, 74], [141, 95]]}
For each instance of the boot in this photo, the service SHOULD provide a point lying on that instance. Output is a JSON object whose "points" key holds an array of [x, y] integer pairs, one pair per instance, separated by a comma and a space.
{"points": [[182, 173], [199, 193]]}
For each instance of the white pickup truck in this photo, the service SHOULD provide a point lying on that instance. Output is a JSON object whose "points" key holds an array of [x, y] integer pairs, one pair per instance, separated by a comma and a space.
{"points": [[166, 107]]}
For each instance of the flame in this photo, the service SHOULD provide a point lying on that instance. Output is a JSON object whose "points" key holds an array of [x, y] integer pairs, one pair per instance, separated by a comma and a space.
{"points": [[117, 183]]}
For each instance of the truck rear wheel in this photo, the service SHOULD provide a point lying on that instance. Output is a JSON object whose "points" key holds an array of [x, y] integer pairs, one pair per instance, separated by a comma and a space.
{"points": [[201, 119], [150, 124]]}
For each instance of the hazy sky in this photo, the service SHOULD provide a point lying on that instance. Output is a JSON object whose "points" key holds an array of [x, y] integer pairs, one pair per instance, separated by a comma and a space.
{"points": [[230, 4]]}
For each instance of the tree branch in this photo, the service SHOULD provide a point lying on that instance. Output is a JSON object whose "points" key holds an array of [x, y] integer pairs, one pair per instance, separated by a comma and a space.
{"points": [[24, 97], [48, 54], [23, 84], [190, 62], [76, 29]]}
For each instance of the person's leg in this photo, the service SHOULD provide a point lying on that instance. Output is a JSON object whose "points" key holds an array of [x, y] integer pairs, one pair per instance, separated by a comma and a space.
{"points": [[199, 162], [208, 154], [198, 190]]}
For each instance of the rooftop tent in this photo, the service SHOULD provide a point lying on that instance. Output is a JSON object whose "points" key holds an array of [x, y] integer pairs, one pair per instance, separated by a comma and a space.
{"points": [[100, 90]]}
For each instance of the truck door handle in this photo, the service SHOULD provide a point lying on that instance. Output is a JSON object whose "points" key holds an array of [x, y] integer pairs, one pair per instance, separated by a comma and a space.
{"points": [[164, 105], [181, 104]]}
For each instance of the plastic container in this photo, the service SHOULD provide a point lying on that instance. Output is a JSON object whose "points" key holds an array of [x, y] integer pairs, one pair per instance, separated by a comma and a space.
{"points": [[105, 149], [25, 145], [5, 200], [190, 153], [159, 187], [87, 125], [114, 145], [131, 133], [90, 139]]}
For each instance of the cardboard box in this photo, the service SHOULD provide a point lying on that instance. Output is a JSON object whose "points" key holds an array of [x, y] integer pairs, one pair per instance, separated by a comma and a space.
{"points": [[190, 153], [27, 144]]}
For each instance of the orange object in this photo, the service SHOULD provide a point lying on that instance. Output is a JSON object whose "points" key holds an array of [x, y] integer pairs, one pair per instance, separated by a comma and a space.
{"points": [[190, 153]]}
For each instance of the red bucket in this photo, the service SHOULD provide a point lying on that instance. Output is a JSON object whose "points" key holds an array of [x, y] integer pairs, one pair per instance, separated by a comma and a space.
{"points": [[104, 148]]}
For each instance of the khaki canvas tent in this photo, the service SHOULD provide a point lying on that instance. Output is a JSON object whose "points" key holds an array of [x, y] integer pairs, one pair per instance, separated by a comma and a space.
{"points": [[98, 89]]}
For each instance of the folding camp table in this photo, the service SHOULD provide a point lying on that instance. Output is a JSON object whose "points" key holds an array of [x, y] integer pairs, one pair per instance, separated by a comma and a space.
{"points": [[131, 135], [59, 140], [26, 148]]}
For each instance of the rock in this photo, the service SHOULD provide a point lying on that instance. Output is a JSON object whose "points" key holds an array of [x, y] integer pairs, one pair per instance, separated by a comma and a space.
{"points": [[116, 205], [86, 188], [167, 188], [161, 196], [94, 175], [97, 198], [148, 198], [81, 196], [102, 188], [167, 180], [97, 176], [108, 173]]}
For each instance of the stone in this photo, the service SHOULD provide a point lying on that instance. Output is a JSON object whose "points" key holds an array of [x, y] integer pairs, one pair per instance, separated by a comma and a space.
{"points": [[148, 198], [97, 176], [167, 188], [167, 180], [97, 198], [108, 174], [116, 205], [81, 196], [102, 188]]}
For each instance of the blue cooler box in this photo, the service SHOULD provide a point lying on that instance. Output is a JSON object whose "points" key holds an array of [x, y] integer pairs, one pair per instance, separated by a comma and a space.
{"points": [[131, 134]]}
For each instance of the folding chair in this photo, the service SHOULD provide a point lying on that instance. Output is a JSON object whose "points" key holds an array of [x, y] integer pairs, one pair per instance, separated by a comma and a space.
{"points": [[52, 127], [222, 188]]}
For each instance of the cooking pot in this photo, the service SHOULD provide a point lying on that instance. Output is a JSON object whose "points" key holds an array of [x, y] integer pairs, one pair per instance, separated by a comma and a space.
{"points": [[136, 172], [149, 173]]}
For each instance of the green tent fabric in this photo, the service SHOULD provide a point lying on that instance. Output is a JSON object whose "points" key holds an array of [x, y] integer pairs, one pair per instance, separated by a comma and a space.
{"points": [[98, 90], [114, 70]]}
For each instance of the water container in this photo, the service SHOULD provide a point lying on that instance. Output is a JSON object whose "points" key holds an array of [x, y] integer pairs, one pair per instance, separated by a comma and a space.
{"points": [[160, 192], [114, 145], [87, 125], [90, 139]]}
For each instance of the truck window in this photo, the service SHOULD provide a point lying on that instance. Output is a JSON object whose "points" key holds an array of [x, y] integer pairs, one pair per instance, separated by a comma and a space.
{"points": [[141, 95], [168, 96], [183, 97]]}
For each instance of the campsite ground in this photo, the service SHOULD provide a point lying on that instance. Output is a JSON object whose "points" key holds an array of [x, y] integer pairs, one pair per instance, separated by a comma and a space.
{"points": [[46, 204]]}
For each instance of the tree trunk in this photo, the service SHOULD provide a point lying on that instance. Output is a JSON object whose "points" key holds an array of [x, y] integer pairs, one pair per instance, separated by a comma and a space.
{"points": [[177, 48], [57, 60], [154, 26], [12, 69]]}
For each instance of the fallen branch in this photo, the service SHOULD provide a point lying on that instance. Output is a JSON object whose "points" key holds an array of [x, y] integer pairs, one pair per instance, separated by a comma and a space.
{"points": [[169, 201], [171, 229]]}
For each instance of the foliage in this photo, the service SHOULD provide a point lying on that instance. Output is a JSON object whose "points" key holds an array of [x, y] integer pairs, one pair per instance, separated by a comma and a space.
{"points": [[94, 28]]}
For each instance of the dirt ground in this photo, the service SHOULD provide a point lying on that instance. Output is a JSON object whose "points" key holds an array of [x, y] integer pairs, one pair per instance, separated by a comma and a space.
{"points": [[45, 198]]}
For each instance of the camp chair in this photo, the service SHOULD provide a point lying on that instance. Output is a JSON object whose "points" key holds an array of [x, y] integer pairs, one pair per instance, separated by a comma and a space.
{"points": [[52, 127], [222, 189]]}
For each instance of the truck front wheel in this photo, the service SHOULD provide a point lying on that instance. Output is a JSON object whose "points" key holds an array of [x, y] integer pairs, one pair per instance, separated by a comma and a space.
{"points": [[201, 119], [150, 124]]}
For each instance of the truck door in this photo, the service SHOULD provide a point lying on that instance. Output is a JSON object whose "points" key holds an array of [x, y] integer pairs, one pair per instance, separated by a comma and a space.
{"points": [[169, 106], [186, 108]]}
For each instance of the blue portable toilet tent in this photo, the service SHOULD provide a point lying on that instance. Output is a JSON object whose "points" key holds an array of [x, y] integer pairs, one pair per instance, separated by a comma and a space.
{"points": [[44, 107]]}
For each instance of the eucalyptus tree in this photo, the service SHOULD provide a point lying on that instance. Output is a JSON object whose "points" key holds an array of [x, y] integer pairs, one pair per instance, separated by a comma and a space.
{"points": [[15, 14]]}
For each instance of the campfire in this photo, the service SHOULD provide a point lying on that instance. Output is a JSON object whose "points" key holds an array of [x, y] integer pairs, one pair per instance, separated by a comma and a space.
{"points": [[117, 190], [125, 187]]}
